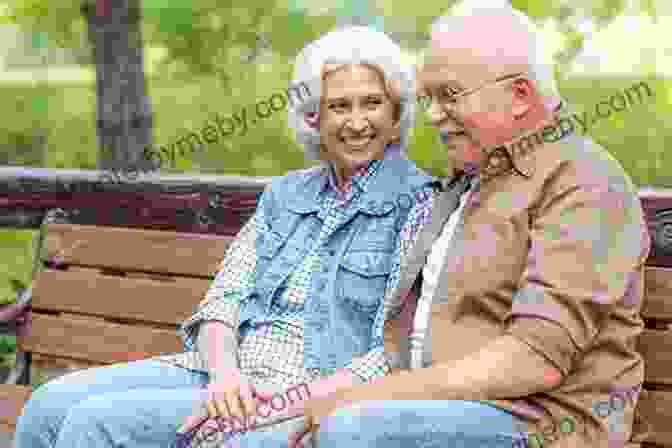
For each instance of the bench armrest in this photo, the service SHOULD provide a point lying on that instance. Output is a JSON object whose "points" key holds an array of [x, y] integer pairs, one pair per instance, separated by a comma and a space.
{"points": [[15, 319]]}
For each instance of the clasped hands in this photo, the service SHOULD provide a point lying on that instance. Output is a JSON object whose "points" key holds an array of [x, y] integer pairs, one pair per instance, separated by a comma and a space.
{"points": [[231, 399], [235, 402]]}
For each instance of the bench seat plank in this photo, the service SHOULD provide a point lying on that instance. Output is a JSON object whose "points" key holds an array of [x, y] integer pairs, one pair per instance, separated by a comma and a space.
{"points": [[12, 399], [136, 249]]}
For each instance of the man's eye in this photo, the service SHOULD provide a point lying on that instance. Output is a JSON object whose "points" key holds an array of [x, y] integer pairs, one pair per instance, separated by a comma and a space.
{"points": [[449, 92], [446, 95]]}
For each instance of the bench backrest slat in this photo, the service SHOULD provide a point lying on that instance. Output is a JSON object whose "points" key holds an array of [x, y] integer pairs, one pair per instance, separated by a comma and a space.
{"points": [[135, 299], [96, 341], [136, 249], [658, 295], [112, 294], [657, 360]]}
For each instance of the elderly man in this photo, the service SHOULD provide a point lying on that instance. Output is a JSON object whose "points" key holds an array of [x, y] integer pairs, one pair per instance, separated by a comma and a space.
{"points": [[532, 270]]}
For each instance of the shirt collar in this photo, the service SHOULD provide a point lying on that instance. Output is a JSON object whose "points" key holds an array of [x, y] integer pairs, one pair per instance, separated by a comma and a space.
{"points": [[329, 179], [476, 168]]}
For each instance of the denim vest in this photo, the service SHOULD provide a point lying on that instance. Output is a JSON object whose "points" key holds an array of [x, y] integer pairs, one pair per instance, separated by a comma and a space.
{"points": [[346, 295]]}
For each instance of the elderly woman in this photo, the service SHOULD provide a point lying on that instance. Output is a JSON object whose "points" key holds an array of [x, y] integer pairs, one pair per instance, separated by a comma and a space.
{"points": [[300, 301]]}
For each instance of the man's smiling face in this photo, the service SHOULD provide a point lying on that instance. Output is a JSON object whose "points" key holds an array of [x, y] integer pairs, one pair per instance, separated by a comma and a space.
{"points": [[478, 75], [482, 117]]}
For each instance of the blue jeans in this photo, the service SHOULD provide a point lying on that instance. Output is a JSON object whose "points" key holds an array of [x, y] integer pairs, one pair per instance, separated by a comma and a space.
{"points": [[416, 423], [410, 424], [134, 405]]}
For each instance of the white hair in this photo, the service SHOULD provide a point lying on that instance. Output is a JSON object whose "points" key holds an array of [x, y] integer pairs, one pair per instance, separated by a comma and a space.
{"points": [[348, 45], [540, 61]]}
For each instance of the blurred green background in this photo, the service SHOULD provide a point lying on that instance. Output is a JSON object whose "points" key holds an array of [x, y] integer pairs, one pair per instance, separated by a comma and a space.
{"points": [[51, 112]]}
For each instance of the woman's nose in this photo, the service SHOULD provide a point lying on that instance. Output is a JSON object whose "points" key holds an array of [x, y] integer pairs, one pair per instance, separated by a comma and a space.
{"points": [[358, 122]]}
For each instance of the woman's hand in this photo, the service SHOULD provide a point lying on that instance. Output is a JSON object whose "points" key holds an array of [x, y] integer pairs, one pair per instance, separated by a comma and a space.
{"points": [[229, 395]]}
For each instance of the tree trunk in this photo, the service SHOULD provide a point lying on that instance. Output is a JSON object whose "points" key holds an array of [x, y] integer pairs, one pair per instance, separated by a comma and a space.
{"points": [[124, 116]]}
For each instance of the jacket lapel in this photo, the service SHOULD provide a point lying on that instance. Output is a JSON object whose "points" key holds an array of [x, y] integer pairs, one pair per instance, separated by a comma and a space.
{"points": [[446, 203], [454, 254], [411, 265]]}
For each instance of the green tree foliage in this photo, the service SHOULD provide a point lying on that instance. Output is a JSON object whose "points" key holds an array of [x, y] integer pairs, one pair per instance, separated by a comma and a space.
{"points": [[199, 34], [199, 37]]}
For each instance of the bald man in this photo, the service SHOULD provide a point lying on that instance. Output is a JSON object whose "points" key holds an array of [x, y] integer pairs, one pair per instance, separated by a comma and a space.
{"points": [[530, 271]]}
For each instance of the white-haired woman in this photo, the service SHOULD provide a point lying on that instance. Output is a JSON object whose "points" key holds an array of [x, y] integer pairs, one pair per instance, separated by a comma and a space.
{"points": [[299, 303]]}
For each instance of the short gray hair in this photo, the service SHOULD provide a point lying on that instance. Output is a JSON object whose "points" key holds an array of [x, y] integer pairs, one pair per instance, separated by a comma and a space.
{"points": [[540, 62], [349, 45]]}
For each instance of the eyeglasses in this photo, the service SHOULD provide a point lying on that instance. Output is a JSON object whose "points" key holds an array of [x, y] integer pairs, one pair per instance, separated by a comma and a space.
{"points": [[451, 99]]}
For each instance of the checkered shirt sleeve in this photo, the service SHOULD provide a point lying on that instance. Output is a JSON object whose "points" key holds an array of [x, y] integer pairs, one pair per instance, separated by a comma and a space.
{"points": [[235, 278], [374, 363]]}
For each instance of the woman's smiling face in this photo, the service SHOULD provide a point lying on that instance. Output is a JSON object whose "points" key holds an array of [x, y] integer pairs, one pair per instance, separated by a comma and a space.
{"points": [[357, 117]]}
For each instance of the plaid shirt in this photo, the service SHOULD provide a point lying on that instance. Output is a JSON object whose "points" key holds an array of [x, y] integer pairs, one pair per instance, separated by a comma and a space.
{"points": [[271, 347]]}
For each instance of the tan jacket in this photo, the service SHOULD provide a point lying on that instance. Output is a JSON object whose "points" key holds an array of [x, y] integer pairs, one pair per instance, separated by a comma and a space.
{"points": [[555, 260]]}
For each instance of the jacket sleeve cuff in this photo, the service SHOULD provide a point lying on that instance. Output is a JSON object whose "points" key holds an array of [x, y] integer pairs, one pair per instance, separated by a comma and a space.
{"points": [[370, 366], [546, 338], [224, 311]]}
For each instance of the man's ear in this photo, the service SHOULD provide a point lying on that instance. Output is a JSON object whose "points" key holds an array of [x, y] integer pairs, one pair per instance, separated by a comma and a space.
{"points": [[524, 94]]}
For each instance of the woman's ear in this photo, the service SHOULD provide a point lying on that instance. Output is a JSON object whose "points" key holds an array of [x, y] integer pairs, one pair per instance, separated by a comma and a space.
{"points": [[395, 135]]}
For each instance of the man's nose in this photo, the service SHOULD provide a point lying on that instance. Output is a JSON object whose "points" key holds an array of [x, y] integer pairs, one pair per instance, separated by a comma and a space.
{"points": [[436, 112]]}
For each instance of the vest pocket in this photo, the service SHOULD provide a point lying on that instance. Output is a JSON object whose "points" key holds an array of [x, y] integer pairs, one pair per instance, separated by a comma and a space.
{"points": [[268, 244], [363, 277]]}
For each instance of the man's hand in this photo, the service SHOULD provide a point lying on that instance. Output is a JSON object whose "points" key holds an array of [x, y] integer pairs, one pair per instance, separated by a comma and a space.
{"points": [[315, 409]]}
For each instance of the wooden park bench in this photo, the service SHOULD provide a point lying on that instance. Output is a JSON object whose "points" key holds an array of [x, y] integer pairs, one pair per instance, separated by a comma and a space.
{"points": [[105, 295]]}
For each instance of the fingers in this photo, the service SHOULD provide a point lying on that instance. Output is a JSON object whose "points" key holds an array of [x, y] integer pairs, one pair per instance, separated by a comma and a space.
{"points": [[249, 403], [233, 401], [198, 416], [296, 438], [191, 422], [236, 404]]}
